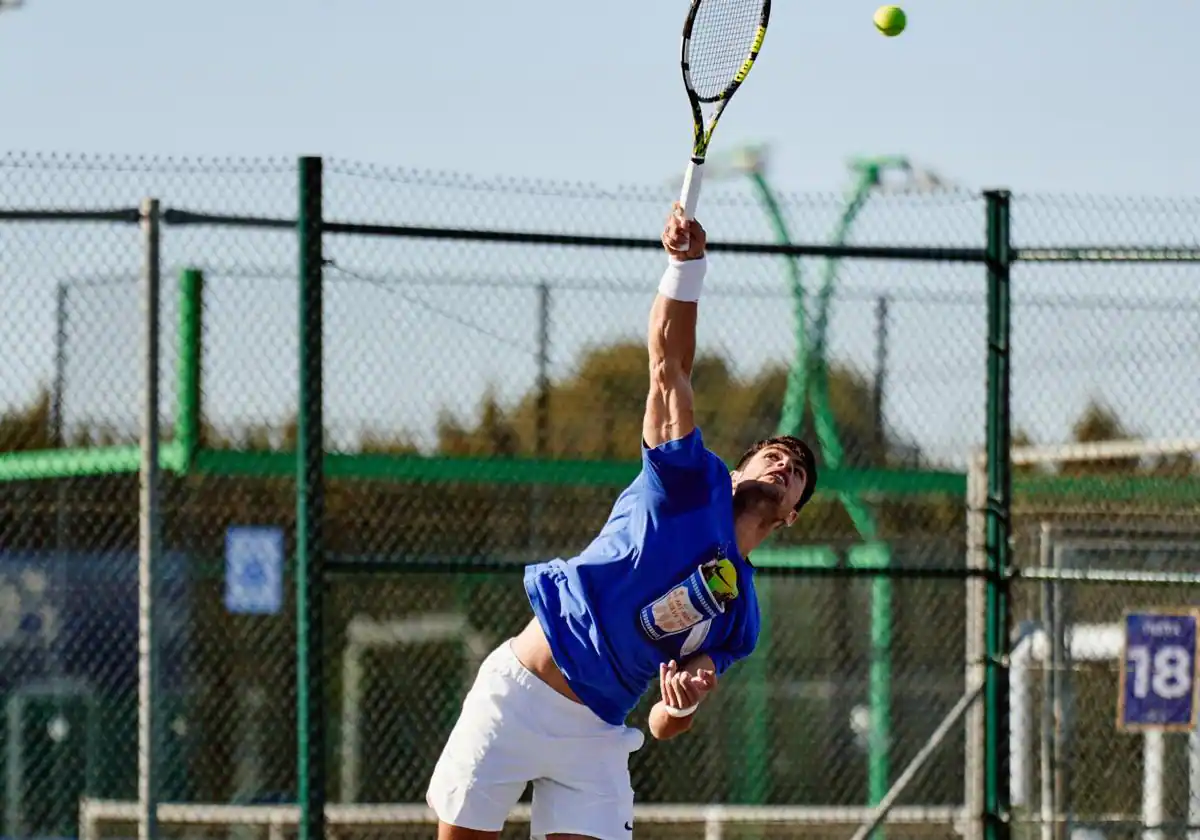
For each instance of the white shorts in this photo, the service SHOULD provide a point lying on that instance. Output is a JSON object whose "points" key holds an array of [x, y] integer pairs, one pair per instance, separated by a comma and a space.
{"points": [[514, 729]]}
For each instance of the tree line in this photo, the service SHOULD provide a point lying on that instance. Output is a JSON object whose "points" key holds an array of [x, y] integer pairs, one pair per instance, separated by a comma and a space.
{"points": [[592, 414]]}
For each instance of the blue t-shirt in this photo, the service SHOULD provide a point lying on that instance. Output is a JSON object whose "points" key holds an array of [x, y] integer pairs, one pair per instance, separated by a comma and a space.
{"points": [[635, 597]]}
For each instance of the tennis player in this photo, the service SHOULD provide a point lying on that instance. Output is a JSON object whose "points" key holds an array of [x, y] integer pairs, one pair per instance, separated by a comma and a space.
{"points": [[665, 589]]}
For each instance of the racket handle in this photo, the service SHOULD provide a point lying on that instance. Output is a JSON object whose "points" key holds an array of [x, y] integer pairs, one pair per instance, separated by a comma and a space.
{"points": [[690, 197]]}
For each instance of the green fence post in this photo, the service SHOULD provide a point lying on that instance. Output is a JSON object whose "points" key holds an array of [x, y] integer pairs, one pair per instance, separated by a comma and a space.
{"points": [[187, 400], [999, 510], [310, 503], [878, 555]]}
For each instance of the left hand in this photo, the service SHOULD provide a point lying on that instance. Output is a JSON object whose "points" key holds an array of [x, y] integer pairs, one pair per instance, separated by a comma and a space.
{"points": [[682, 689]]}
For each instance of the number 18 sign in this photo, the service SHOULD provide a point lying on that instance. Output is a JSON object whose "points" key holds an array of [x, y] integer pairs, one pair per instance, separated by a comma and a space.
{"points": [[1158, 675]]}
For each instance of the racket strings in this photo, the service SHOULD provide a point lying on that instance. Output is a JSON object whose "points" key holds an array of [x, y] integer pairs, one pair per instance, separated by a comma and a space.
{"points": [[722, 36]]}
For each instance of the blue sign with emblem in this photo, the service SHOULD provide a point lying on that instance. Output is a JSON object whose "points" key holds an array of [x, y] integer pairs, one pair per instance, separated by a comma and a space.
{"points": [[1158, 674], [254, 570]]}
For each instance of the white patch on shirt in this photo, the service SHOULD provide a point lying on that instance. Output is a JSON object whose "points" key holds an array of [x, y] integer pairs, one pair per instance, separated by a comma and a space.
{"points": [[696, 638], [674, 612]]}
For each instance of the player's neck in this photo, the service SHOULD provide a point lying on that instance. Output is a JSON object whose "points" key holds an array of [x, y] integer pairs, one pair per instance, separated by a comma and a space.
{"points": [[751, 530]]}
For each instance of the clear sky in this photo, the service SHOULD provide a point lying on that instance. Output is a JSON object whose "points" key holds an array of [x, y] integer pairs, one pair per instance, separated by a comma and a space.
{"points": [[1052, 96], [1069, 95]]}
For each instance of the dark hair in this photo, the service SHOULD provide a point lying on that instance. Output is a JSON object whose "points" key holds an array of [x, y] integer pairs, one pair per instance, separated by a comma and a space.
{"points": [[800, 451]]}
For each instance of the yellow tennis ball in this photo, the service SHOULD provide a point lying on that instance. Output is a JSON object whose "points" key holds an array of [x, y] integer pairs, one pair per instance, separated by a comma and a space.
{"points": [[890, 20]]}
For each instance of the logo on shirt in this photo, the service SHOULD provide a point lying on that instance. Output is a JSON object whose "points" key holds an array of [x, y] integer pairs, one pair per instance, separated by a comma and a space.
{"points": [[699, 598], [720, 576]]}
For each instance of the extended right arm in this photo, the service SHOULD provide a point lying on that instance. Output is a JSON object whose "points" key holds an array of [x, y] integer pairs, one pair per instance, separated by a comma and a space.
{"points": [[671, 337]]}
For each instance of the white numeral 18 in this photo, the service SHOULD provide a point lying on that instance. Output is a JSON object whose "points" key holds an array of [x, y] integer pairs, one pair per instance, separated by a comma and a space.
{"points": [[1168, 674]]}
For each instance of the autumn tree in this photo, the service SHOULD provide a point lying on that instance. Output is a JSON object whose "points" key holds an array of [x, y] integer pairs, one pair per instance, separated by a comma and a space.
{"points": [[596, 413], [592, 414], [1099, 423], [27, 428]]}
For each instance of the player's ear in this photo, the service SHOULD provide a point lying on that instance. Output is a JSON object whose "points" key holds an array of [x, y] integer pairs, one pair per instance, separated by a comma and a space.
{"points": [[790, 519]]}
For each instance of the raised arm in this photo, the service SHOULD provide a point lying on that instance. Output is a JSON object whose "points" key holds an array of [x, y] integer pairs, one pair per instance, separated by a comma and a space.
{"points": [[672, 334]]}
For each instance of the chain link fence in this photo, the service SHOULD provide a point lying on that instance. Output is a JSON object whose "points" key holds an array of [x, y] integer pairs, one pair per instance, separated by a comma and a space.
{"points": [[481, 391], [1101, 529]]}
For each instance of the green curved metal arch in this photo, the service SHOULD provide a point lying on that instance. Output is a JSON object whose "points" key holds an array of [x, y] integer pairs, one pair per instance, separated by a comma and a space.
{"points": [[808, 379]]}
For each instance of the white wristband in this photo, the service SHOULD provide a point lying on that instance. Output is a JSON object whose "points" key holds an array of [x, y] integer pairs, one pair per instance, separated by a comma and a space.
{"points": [[684, 279], [681, 713]]}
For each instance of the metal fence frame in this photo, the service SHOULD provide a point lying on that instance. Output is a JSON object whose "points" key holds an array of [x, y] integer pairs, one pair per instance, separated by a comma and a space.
{"points": [[988, 573]]}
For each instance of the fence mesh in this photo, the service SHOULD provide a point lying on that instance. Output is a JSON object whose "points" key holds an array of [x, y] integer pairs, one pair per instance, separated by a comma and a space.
{"points": [[480, 402], [1073, 770], [1101, 356]]}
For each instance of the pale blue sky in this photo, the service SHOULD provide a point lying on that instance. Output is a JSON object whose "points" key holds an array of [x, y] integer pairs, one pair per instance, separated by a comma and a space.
{"points": [[1070, 95], [1048, 97]]}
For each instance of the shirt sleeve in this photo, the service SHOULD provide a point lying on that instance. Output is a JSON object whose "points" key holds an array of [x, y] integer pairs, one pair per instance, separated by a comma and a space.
{"points": [[722, 659], [738, 648], [681, 471]]}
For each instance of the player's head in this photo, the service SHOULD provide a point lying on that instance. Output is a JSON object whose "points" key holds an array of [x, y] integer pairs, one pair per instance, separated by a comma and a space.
{"points": [[776, 475]]}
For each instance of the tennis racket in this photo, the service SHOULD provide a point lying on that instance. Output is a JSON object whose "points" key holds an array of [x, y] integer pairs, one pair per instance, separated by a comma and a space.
{"points": [[721, 41]]}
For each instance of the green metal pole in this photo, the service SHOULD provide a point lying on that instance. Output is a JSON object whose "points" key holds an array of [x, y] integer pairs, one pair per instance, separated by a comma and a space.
{"points": [[879, 691], [823, 419], [187, 408], [999, 512], [310, 502], [877, 555], [791, 422], [180, 458]]}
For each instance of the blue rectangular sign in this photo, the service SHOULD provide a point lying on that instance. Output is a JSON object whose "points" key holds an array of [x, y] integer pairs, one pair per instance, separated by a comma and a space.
{"points": [[1158, 674], [254, 570]]}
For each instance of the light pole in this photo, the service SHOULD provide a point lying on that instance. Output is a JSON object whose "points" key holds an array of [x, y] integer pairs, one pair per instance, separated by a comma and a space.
{"points": [[808, 380]]}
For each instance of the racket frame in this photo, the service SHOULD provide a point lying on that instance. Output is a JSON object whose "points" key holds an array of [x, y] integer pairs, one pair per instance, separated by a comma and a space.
{"points": [[703, 132]]}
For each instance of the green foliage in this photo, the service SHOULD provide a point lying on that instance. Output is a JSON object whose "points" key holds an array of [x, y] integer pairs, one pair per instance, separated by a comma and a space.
{"points": [[592, 414], [27, 428], [596, 413]]}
